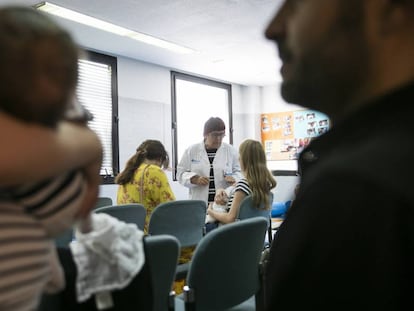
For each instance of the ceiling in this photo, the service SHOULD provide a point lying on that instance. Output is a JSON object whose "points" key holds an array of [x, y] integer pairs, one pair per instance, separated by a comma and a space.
{"points": [[227, 34]]}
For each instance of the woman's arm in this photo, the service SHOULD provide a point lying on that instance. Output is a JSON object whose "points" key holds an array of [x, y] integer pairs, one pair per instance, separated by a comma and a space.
{"points": [[31, 152], [183, 170], [229, 217], [186, 176]]}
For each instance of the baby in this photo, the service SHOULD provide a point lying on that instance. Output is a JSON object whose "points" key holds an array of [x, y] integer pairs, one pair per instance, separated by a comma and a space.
{"points": [[220, 203]]}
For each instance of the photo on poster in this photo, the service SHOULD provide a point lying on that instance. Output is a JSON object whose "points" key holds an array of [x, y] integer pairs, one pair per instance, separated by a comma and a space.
{"points": [[286, 134]]}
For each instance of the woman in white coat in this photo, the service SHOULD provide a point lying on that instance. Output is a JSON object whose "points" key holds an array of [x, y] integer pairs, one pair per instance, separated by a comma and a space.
{"points": [[209, 165]]}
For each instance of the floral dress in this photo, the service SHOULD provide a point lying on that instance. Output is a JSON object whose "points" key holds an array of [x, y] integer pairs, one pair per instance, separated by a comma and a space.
{"points": [[152, 184]]}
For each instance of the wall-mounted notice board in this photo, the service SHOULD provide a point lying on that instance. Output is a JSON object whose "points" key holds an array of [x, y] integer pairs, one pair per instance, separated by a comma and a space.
{"points": [[285, 134]]}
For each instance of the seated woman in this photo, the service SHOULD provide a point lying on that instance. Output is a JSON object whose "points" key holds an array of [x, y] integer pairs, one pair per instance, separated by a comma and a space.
{"points": [[143, 180], [257, 182]]}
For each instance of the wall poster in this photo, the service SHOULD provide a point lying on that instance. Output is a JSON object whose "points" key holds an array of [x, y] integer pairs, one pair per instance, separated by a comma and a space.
{"points": [[285, 134]]}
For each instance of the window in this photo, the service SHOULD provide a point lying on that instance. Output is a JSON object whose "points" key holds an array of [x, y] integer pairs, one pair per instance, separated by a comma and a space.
{"points": [[194, 100], [97, 91]]}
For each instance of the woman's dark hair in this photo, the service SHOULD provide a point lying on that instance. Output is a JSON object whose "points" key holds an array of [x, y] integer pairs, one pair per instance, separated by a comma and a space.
{"points": [[213, 124], [150, 150]]}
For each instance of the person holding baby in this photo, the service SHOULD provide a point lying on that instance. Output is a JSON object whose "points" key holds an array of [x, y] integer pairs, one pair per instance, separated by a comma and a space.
{"points": [[257, 182]]}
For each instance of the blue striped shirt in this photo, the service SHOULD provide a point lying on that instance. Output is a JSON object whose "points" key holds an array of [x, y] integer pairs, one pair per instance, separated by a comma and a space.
{"points": [[30, 217]]}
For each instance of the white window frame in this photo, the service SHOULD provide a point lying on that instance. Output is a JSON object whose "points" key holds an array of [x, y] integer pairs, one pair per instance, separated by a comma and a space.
{"points": [[177, 142]]}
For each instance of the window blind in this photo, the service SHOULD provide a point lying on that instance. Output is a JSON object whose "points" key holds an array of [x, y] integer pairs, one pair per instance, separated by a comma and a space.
{"points": [[94, 93]]}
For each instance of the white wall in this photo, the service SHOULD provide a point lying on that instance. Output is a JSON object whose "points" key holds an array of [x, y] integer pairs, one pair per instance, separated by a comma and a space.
{"points": [[246, 106], [144, 94], [144, 107]]}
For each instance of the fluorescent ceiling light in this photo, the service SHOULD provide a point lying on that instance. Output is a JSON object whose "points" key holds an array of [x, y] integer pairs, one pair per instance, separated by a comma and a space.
{"points": [[102, 25]]}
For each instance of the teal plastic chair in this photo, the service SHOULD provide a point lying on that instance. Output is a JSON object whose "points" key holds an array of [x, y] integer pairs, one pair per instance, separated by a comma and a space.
{"points": [[64, 238], [130, 213], [224, 273], [183, 219], [103, 201], [248, 210], [149, 290]]}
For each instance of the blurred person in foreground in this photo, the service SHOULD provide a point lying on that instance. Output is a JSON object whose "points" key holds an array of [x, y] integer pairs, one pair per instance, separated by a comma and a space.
{"points": [[347, 242], [38, 81]]}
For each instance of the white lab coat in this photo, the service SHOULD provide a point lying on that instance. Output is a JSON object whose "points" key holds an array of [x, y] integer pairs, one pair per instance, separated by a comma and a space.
{"points": [[195, 162]]}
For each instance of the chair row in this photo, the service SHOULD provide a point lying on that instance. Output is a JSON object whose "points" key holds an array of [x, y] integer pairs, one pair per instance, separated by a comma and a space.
{"points": [[224, 274], [183, 219]]}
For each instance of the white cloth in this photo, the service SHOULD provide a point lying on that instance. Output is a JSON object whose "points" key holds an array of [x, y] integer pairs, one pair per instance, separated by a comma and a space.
{"points": [[218, 208], [108, 257], [195, 162]]}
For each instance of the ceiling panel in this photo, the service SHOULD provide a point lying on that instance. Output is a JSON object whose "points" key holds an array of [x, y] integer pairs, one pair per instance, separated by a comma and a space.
{"points": [[227, 34]]}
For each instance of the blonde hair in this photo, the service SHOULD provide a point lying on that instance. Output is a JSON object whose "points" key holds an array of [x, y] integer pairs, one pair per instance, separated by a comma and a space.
{"points": [[259, 178]]}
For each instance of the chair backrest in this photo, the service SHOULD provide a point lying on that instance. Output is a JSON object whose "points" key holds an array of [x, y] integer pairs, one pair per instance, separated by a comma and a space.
{"points": [[130, 213], [248, 210], [103, 201], [225, 265], [161, 254], [149, 290], [183, 219], [64, 239]]}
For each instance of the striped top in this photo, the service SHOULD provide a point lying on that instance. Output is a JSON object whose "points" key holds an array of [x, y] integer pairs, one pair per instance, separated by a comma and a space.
{"points": [[30, 216], [211, 153], [241, 185]]}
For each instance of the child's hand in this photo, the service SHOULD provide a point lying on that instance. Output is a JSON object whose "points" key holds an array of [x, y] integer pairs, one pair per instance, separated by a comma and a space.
{"points": [[221, 197]]}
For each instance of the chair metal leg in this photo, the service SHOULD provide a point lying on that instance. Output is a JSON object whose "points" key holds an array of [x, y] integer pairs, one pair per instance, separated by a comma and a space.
{"points": [[189, 298], [261, 294], [171, 301], [269, 232]]}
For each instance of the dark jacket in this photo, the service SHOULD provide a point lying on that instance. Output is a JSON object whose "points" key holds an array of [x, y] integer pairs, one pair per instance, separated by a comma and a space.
{"points": [[348, 240]]}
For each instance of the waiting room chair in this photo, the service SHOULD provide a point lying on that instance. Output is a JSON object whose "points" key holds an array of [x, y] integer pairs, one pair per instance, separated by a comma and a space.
{"points": [[183, 219], [103, 201], [149, 290], [130, 213], [64, 239], [248, 210], [224, 272]]}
